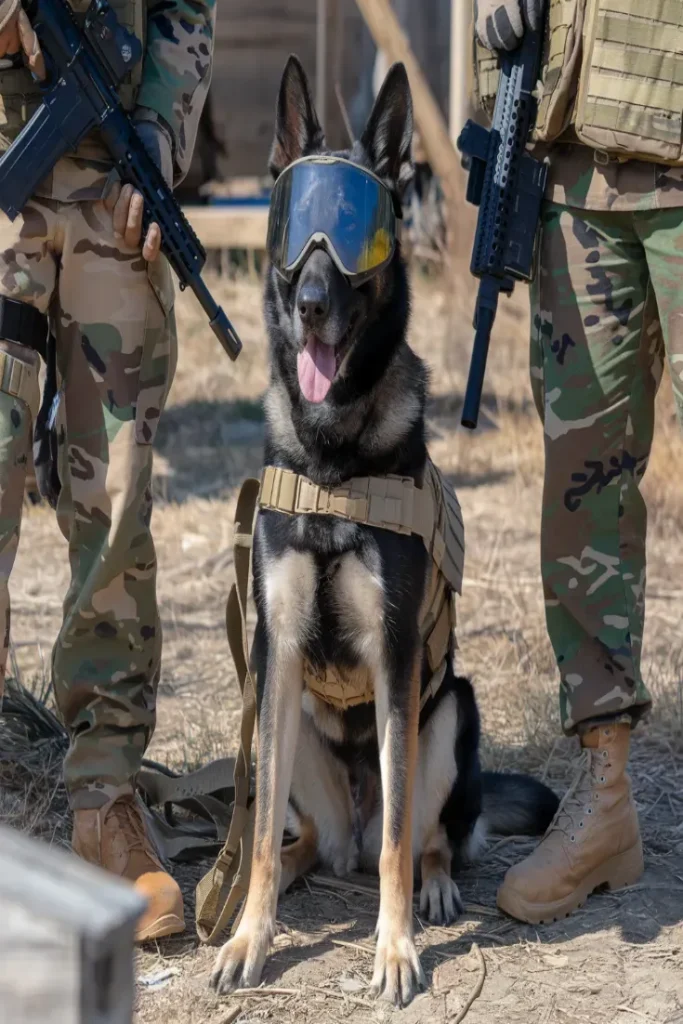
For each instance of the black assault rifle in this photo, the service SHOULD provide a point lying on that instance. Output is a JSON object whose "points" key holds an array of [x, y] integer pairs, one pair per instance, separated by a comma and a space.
{"points": [[507, 184], [86, 62]]}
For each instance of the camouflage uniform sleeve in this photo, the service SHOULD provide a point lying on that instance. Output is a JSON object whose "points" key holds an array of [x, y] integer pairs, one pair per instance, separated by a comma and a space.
{"points": [[7, 9], [177, 70]]}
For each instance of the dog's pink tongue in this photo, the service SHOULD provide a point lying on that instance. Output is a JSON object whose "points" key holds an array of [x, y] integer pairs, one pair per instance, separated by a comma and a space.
{"points": [[317, 366]]}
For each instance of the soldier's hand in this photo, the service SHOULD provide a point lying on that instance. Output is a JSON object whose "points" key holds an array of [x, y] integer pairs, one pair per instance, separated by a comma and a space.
{"points": [[9, 37], [18, 35], [500, 24], [127, 205]]}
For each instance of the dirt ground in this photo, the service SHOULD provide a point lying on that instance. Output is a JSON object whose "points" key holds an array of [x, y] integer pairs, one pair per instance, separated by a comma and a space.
{"points": [[618, 961]]}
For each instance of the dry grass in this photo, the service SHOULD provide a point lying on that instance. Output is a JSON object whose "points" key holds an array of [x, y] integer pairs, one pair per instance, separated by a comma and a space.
{"points": [[615, 961]]}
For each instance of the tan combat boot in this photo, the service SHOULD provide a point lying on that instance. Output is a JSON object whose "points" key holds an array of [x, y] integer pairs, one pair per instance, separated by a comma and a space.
{"points": [[593, 840], [114, 837]]}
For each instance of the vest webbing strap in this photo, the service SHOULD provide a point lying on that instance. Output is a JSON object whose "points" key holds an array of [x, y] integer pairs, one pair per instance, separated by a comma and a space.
{"points": [[387, 502]]}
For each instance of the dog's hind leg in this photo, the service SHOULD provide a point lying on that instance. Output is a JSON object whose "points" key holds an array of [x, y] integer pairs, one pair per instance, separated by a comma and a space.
{"points": [[289, 592], [321, 792], [439, 896], [320, 811], [300, 856]]}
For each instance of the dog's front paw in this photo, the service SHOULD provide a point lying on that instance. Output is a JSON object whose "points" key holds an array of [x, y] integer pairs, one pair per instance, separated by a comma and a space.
{"points": [[440, 899], [398, 975], [239, 964]]}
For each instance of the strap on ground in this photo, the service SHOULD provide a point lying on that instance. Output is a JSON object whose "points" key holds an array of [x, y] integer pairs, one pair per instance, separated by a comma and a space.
{"points": [[221, 891]]}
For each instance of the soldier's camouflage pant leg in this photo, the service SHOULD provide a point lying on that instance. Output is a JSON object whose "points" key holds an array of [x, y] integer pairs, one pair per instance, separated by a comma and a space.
{"points": [[116, 350], [605, 281], [18, 408]]}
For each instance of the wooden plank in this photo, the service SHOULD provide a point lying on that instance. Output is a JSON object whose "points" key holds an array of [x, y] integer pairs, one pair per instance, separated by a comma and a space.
{"points": [[253, 40], [461, 57], [441, 153], [67, 937], [227, 227], [63, 887]]}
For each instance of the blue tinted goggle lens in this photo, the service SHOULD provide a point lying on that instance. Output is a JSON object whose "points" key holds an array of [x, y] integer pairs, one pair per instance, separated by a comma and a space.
{"points": [[333, 203]]}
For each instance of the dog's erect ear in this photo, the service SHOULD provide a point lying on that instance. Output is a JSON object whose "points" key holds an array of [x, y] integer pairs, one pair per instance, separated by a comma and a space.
{"points": [[389, 132], [297, 129]]}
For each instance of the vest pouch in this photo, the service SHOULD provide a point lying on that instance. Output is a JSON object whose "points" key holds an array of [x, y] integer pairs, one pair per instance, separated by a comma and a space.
{"points": [[630, 101], [560, 69], [486, 75]]}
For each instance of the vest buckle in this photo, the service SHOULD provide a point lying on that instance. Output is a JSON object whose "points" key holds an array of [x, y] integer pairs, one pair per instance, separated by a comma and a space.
{"points": [[601, 157]]}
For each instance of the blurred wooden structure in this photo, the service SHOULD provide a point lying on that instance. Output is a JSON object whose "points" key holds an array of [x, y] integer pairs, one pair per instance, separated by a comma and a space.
{"points": [[254, 39], [219, 226], [345, 46], [442, 155], [388, 34], [460, 66], [66, 937]]}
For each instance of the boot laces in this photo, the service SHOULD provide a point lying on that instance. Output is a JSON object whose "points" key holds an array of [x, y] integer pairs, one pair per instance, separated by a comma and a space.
{"points": [[577, 803], [130, 822]]}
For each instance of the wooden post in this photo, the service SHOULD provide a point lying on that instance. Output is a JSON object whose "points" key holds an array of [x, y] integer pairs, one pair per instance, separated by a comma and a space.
{"points": [[66, 938], [390, 37], [461, 54], [321, 61]]}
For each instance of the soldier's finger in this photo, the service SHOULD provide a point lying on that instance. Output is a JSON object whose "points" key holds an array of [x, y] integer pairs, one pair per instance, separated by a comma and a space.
{"points": [[152, 246], [133, 232], [31, 46], [120, 215], [112, 196]]}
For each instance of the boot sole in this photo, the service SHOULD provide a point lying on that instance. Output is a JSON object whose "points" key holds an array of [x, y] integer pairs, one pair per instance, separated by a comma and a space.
{"points": [[170, 924], [617, 872]]}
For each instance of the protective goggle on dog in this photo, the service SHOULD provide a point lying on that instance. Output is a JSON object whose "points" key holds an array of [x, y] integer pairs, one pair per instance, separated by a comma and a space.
{"points": [[331, 203]]}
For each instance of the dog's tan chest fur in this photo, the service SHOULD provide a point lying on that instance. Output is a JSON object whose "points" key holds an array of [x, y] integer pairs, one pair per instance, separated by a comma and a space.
{"points": [[293, 584]]}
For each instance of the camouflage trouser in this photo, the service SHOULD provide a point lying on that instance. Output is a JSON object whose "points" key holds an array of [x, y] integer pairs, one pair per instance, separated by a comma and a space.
{"points": [[606, 282], [116, 351]]}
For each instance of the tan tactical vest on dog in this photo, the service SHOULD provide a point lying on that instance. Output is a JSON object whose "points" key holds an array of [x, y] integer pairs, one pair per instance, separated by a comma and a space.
{"points": [[612, 77], [20, 95], [389, 503], [432, 512]]}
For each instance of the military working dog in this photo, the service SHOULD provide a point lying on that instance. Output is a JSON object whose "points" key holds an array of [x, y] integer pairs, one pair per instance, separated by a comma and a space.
{"points": [[395, 784]]}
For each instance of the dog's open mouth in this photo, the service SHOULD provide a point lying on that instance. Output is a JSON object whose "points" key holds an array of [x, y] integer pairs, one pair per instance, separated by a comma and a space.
{"points": [[319, 364]]}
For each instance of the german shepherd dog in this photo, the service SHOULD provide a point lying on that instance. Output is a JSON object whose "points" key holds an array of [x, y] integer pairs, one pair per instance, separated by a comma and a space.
{"points": [[380, 786]]}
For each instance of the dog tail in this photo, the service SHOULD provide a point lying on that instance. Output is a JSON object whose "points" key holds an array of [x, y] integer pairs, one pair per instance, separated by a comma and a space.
{"points": [[516, 805]]}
